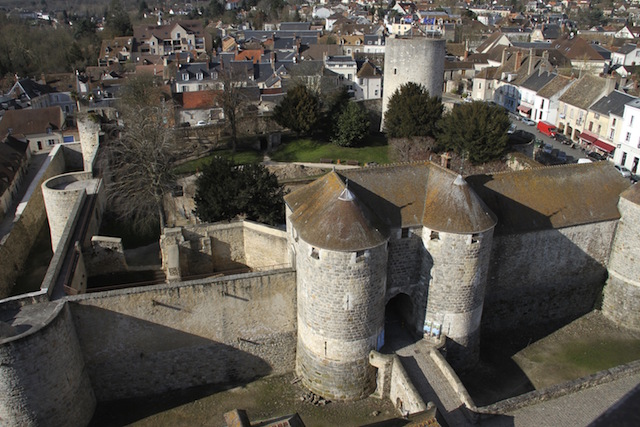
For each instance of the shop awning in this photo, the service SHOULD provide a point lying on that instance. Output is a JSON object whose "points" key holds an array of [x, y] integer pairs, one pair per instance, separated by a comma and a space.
{"points": [[588, 137], [524, 109], [604, 145]]}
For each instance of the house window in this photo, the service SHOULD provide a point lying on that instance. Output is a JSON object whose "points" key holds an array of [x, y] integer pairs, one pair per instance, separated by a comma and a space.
{"points": [[614, 122], [375, 92], [435, 235], [628, 138], [599, 129], [479, 85], [395, 71], [315, 253], [590, 126], [631, 121], [404, 233]]}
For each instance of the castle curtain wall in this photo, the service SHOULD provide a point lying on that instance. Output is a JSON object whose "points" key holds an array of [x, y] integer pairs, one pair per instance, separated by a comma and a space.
{"points": [[144, 341], [547, 277]]}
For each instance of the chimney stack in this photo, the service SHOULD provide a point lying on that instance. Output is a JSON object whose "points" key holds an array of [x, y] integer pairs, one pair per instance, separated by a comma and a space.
{"points": [[518, 60], [610, 85], [532, 59]]}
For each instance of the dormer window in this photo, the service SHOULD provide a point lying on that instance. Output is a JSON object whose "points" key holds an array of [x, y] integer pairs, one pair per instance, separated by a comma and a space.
{"points": [[185, 76], [199, 76], [49, 130], [404, 233]]}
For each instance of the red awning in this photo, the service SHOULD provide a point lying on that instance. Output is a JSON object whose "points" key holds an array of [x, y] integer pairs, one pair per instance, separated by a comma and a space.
{"points": [[604, 145], [588, 137], [524, 109]]}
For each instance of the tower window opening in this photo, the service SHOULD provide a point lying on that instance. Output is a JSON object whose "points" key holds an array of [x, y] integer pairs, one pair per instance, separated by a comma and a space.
{"points": [[360, 255], [435, 235], [475, 238], [315, 253], [404, 233]]}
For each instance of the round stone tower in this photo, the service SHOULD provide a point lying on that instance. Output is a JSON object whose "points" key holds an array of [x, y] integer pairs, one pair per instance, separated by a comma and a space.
{"points": [[621, 301], [341, 263], [89, 131], [43, 378], [416, 59], [457, 235], [60, 195]]}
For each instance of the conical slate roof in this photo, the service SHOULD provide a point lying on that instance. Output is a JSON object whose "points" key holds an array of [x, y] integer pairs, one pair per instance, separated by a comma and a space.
{"points": [[452, 206], [421, 194], [353, 210], [329, 215]]}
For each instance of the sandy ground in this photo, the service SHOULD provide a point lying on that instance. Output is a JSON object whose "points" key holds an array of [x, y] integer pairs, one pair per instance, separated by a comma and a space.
{"points": [[263, 399]]}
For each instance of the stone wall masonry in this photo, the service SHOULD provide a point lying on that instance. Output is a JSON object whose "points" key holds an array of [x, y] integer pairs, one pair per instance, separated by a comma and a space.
{"points": [[144, 341], [223, 246], [340, 317], [405, 258], [43, 380], [106, 256], [15, 246], [621, 302], [265, 247], [394, 384], [546, 277], [454, 272], [537, 396]]}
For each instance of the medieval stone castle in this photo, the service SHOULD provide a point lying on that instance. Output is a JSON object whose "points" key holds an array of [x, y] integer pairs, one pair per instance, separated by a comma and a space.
{"points": [[463, 257]]}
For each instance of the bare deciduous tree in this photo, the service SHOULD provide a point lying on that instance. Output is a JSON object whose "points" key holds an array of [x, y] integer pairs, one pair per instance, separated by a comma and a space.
{"points": [[140, 159]]}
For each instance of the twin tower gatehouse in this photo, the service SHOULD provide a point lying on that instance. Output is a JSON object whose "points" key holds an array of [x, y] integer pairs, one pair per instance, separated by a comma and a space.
{"points": [[361, 237]]}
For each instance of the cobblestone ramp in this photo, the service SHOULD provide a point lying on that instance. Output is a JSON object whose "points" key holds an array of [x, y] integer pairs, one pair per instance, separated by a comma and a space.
{"points": [[431, 383]]}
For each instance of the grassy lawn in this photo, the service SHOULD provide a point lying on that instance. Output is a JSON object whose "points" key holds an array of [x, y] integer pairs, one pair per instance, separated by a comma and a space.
{"points": [[310, 150], [241, 158]]}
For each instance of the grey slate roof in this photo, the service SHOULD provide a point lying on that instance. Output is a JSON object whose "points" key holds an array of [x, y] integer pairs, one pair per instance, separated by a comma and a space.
{"points": [[537, 81], [627, 48], [332, 214], [584, 92], [551, 197], [612, 103]]}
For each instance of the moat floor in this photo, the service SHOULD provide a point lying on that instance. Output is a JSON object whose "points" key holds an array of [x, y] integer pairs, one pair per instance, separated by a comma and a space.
{"points": [[262, 399], [511, 366]]}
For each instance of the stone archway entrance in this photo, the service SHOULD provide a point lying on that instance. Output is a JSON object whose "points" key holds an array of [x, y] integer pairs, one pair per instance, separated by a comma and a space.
{"points": [[399, 322]]}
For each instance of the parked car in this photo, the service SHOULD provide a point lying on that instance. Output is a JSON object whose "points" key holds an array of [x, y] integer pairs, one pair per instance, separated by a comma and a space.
{"points": [[201, 123], [528, 122], [562, 156], [547, 148], [584, 160], [560, 137], [596, 156], [512, 128], [623, 171]]}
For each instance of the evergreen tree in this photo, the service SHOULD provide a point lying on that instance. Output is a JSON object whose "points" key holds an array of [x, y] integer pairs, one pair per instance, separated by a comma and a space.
{"points": [[225, 191], [475, 130], [299, 110], [412, 112], [352, 126]]}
